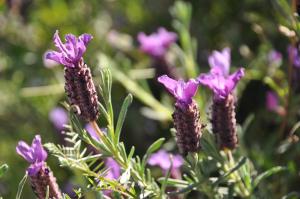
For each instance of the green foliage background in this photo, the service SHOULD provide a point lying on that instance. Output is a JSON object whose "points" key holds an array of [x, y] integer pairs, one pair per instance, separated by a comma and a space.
{"points": [[29, 90]]}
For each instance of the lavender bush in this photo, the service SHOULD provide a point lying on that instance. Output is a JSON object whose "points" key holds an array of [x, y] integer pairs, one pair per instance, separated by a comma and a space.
{"points": [[217, 139]]}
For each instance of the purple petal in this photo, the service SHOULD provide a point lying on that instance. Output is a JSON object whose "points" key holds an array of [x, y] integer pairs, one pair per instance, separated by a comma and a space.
{"points": [[182, 91], [86, 38], [156, 44], [59, 117], [114, 171], [169, 83], [220, 60], [220, 84], [163, 159], [88, 127], [25, 151], [58, 43], [34, 168], [55, 56], [271, 101], [39, 152]]}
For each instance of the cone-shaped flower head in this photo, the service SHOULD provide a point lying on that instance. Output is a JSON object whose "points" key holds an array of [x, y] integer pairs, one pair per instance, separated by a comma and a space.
{"points": [[218, 79], [294, 56], [156, 44], [186, 115], [79, 85], [182, 91], [41, 177], [34, 154], [70, 52], [163, 159]]}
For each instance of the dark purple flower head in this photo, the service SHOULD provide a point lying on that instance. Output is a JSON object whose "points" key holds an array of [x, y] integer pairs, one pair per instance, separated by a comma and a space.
{"points": [[34, 154], [59, 117], [294, 56], [163, 159], [221, 60], [114, 170], [218, 79], [69, 53], [182, 91], [156, 44]]}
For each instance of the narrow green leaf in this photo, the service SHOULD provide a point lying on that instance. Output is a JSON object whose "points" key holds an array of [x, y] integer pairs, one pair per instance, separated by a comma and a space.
{"points": [[233, 169], [155, 146], [3, 169], [122, 116], [266, 174], [21, 185], [174, 182]]}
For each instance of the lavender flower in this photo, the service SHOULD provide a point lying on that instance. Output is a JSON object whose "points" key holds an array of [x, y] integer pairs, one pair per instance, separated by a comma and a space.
{"points": [[114, 171], [163, 159], [88, 127], [79, 85], [182, 91], [223, 109], [70, 53], [219, 80], [35, 155], [186, 115], [221, 60], [271, 101], [294, 56], [156, 44], [41, 177], [59, 117]]}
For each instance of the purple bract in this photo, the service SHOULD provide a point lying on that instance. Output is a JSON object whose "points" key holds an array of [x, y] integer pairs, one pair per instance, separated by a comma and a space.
{"points": [[182, 91], [89, 128], [164, 160], [34, 154], [114, 170], [58, 116], [156, 44], [70, 53], [221, 60], [218, 79]]}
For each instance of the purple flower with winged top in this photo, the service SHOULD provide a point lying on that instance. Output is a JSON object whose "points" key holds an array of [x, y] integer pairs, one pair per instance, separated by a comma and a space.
{"points": [[219, 80], [182, 91], [34, 154], [163, 159], [156, 44], [70, 52]]}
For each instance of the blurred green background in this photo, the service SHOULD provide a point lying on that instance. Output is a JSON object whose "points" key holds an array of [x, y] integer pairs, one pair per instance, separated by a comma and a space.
{"points": [[29, 90]]}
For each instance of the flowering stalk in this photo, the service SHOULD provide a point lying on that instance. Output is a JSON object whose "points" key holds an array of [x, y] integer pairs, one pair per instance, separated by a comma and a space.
{"points": [[41, 177], [223, 108], [79, 85], [186, 115]]}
